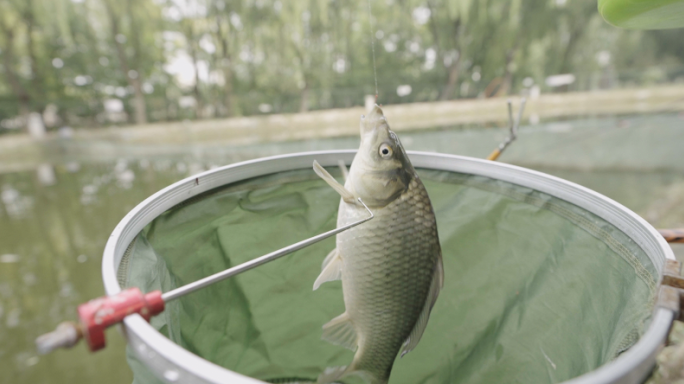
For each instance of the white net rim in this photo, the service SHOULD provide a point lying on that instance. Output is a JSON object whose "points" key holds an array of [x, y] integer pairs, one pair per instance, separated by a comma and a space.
{"points": [[172, 363]]}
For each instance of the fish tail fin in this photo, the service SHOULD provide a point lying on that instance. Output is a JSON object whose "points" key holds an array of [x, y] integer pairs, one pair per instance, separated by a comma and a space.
{"points": [[334, 374], [330, 375]]}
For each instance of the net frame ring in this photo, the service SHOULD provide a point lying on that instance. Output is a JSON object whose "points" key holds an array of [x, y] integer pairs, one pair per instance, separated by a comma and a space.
{"points": [[171, 363]]}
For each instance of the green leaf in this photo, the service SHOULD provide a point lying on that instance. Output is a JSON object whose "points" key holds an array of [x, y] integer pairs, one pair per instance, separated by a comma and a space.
{"points": [[643, 14]]}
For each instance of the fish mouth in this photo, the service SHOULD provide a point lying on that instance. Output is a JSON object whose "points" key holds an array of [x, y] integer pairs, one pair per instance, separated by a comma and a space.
{"points": [[373, 120], [376, 114]]}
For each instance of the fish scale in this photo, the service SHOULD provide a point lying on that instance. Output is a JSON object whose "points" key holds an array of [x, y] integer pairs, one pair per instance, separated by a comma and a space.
{"points": [[406, 253]]}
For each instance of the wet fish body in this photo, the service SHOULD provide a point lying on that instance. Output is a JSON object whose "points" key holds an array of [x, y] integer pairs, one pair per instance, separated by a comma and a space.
{"points": [[390, 267]]}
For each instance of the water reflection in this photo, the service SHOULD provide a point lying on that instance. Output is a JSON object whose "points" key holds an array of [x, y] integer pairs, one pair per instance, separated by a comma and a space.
{"points": [[46, 174], [9, 258], [15, 204], [54, 222]]}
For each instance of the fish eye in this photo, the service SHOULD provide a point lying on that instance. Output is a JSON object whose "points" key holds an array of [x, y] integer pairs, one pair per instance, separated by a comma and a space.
{"points": [[385, 151]]}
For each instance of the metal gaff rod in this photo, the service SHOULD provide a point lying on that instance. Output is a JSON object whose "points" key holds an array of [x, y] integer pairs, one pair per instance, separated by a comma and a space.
{"points": [[97, 315], [199, 284]]}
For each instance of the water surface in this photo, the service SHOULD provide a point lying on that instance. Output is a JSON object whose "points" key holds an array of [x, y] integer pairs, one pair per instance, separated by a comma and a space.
{"points": [[55, 218]]}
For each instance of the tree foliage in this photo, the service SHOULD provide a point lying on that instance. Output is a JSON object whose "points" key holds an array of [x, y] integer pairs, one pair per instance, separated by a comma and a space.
{"points": [[97, 62]]}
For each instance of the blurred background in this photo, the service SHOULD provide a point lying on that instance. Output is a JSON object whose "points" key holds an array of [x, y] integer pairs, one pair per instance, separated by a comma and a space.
{"points": [[104, 102], [93, 63]]}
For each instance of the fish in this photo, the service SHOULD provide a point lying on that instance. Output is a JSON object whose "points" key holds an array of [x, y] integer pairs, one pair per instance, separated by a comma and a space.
{"points": [[391, 266]]}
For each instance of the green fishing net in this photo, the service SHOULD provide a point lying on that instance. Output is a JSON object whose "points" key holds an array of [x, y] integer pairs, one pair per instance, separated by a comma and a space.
{"points": [[536, 289]]}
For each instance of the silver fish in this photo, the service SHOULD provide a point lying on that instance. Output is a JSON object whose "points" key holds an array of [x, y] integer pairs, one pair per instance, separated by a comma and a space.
{"points": [[390, 267]]}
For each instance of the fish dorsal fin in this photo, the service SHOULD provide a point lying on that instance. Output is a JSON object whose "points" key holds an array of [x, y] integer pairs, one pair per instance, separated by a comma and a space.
{"points": [[340, 331], [419, 328], [331, 269]]}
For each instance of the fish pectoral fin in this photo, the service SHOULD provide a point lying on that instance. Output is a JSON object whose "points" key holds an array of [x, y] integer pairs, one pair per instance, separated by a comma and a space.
{"points": [[421, 324], [332, 255], [343, 169], [340, 331], [331, 269], [347, 196]]}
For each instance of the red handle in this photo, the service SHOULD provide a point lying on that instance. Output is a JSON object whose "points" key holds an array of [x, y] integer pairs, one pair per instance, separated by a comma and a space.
{"points": [[99, 314]]}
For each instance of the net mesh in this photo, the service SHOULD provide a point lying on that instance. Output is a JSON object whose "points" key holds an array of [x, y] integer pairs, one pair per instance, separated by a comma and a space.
{"points": [[530, 281]]}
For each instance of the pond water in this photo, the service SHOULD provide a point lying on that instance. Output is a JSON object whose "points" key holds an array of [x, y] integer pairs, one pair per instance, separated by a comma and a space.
{"points": [[56, 217]]}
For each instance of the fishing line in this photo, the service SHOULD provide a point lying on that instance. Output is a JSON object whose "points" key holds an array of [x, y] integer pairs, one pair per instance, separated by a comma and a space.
{"points": [[375, 73]]}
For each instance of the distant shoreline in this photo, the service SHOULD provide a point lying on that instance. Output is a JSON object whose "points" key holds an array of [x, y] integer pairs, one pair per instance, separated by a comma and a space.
{"points": [[18, 150]]}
